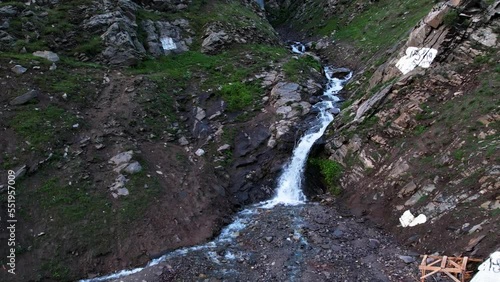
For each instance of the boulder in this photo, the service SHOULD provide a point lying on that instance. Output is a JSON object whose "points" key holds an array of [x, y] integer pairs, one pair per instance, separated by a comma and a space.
{"points": [[183, 141], [214, 41], [121, 158], [435, 18], [373, 102], [164, 38], [25, 98], [408, 189], [132, 168], [340, 73], [18, 69], [485, 36], [51, 56], [5, 38], [285, 93]]}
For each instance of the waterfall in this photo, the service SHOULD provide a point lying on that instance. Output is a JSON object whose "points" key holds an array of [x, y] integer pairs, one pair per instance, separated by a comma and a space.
{"points": [[289, 190]]}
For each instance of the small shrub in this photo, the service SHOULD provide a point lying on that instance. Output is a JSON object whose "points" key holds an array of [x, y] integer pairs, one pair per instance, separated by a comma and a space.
{"points": [[237, 95], [92, 47], [331, 171], [451, 18]]}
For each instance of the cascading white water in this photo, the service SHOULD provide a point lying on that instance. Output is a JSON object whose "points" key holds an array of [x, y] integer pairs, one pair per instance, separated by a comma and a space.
{"points": [[298, 48], [289, 191]]}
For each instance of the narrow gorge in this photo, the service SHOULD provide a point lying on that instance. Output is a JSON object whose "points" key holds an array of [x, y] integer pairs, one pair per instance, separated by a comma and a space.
{"points": [[245, 140]]}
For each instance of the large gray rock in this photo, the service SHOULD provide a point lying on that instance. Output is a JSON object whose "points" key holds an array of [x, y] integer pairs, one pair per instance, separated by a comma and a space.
{"points": [[132, 168], [120, 39], [164, 38], [285, 93], [485, 36], [123, 46], [373, 102], [214, 41], [18, 69], [121, 158], [8, 11], [103, 21], [25, 98], [6, 40], [51, 56]]}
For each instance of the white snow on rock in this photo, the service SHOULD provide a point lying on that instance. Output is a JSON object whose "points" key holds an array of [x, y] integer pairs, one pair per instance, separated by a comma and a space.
{"points": [[168, 43], [407, 219], [489, 270], [416, 57]]}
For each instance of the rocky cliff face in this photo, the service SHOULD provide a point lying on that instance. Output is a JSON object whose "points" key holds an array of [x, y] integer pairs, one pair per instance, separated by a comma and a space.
{"points": [[134, 127], [424, 139]]}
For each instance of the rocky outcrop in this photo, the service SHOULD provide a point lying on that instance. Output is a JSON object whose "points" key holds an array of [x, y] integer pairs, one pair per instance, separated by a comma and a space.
{"points": [[404, 146], [164, 38], [120, 39], [218, 35], [122, 45], [166, 5]]}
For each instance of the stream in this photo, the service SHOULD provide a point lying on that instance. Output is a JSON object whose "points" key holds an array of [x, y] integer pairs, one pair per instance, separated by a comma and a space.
{"points": [[285, 207]]}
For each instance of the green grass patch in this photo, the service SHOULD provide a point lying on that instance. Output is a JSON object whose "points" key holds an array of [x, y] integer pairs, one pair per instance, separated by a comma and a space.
{"points": [[425, 114], [331, 172], [419, 129], [160, 108], [92, 47], [226, 71], [297, 69], [380, 25], [239, 96], [459, 154], [43, 126], [495, 212], [451, 18], [142, 190]]}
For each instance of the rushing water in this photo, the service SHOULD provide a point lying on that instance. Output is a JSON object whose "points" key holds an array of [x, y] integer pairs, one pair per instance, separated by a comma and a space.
{"points": [[289, 189]]}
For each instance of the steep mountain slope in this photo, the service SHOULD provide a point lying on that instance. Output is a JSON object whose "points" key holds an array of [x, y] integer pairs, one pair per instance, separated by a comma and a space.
{"points": [[159, 119], [146, 125], [424, 140]]}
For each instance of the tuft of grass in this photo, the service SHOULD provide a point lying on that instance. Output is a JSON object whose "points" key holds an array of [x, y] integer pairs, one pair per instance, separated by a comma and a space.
{"points": [[331, 172], [91, 47], [419, 129], [459, 154], [495, 212], [451, 18], [238, 95]]}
